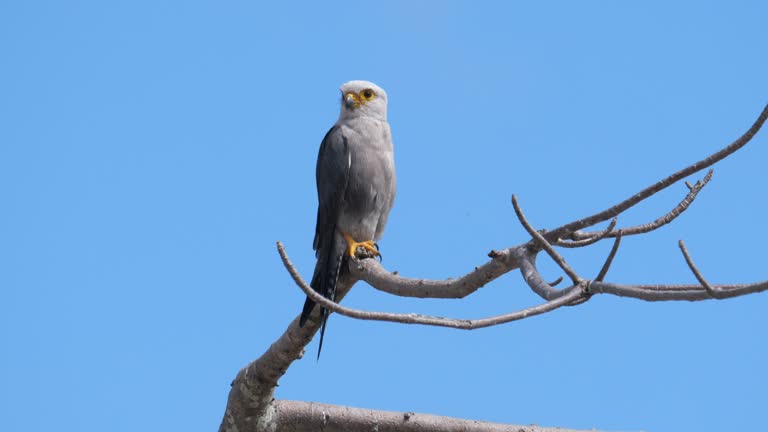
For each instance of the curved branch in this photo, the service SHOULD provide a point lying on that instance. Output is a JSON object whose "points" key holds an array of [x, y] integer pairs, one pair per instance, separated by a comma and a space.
{"points": [[565, 230], [378, 277], [464, 324], [556, 282], [534, 280]]}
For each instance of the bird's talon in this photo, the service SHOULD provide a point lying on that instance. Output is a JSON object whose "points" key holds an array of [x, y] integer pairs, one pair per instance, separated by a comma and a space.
{"points": [[366, 249]]}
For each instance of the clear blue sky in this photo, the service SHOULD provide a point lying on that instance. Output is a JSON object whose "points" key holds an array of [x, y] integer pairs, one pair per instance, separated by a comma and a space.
{"points": [[152, 152]]}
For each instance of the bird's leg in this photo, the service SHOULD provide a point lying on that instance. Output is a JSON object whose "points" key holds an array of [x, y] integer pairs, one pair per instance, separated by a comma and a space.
{"points": [[369, 245]]}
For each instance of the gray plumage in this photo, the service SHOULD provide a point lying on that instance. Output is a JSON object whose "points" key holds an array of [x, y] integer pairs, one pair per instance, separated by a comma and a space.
{"points": [[355, 186]]}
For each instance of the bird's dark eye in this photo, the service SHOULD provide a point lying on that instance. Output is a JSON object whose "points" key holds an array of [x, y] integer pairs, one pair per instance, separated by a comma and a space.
{"points": [[367, 94]]}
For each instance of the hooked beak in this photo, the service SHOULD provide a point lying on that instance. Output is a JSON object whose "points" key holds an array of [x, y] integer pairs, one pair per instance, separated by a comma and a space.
{"points": [[351, 100]]}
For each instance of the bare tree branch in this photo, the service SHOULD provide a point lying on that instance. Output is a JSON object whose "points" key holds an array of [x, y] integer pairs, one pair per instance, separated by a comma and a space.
{"points": [[534, 280], [603, 270], [642, 229], [587, 239], [521, 258], [412, 318], [296, 416], [250, 403], [542, 242], [608, 261], [714, 292], [677, 292], [565, 230], [373, 273]]}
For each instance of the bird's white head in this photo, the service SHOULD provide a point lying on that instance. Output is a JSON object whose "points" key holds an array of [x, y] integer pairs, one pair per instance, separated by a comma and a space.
{"points": [[363, 98]]}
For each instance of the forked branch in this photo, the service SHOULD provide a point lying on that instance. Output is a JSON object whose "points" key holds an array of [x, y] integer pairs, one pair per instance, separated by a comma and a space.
{"points": [[715, 292], [565, 230], [586, 238], [464, 324]]}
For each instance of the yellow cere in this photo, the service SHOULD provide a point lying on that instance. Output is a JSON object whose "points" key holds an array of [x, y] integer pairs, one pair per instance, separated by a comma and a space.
{"points": [[354, 97]]}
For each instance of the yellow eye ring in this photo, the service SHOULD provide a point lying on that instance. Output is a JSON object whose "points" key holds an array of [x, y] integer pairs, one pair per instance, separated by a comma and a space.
{"points": [[367, 94]]}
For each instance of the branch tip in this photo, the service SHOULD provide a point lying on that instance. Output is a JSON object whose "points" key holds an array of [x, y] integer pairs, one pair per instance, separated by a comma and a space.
{"points": [[556, 282], [663, 183]]}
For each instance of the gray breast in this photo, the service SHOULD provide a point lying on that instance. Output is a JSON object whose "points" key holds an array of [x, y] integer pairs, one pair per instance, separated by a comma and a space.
{"points": [[371, 184]]}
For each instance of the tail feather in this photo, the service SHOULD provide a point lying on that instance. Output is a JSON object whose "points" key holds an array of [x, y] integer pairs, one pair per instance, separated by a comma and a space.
{"points": [[333, 279], [324, 280], [324, 314]]}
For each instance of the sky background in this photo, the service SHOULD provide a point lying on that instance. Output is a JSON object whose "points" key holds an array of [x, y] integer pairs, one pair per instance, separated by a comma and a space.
{"points": [[152, 152]]}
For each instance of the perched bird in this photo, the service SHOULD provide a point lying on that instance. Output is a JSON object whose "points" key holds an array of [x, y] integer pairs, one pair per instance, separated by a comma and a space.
{"points": [[355, 188]]}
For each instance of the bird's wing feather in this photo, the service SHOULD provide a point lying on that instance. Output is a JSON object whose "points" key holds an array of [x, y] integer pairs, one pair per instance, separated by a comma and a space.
{"points": [[333, 164], [332, 175]]}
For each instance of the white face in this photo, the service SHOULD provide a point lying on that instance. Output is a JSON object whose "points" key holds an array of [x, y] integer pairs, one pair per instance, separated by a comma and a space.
{"points": [[363, 98]]}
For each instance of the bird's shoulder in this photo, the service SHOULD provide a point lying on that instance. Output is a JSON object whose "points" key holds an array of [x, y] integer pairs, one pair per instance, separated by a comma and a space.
{"points": [[335, 144]]}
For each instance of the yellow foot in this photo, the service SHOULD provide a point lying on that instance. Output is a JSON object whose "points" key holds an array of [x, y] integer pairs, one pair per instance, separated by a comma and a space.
{"points": [[352, 245]]}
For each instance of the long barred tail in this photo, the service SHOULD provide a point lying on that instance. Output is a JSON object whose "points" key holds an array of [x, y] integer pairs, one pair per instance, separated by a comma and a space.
{"points": [[324, 280]]}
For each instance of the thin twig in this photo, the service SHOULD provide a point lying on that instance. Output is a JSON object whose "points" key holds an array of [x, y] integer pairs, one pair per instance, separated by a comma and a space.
{"points": [[545, 244], [658, 223], [464, 324], [565, 230], [589, 240], [556, 281], [714, 292], [609, 260], [602, 273]]}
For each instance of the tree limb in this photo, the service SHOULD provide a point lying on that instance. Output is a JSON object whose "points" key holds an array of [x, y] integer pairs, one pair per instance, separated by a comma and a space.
{"points": [[565, 230], [649, 292], [296, 416], [376, 275], [250, 403], [463, 324], [586, 238]]}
